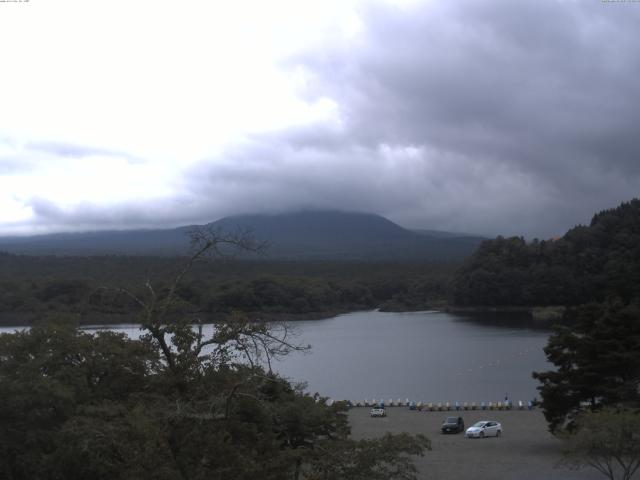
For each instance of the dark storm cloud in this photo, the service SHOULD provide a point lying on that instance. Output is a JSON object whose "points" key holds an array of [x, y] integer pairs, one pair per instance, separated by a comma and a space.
{"points": [[492, 117], [487, 116], [272, 174], [544, 92]]}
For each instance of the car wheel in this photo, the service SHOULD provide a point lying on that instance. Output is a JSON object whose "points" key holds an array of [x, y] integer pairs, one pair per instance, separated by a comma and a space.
{"points": [[481, 434], [498, 433]]}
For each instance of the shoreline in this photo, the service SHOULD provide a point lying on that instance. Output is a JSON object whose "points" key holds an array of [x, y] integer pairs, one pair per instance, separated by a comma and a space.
{"points": [[27, 319], [539, 316]]}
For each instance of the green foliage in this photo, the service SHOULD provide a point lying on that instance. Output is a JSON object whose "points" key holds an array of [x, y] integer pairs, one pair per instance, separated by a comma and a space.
{"points": [[77, 406], [588, 264], [53, 381], [597, 360], [175, 404], [607, 440], [31, 287]]}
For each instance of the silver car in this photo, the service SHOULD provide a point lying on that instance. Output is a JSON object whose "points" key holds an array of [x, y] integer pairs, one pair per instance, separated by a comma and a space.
{"points": [[485, 428]]}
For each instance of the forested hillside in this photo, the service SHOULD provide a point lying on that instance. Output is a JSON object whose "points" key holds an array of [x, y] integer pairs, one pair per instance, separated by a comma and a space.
{"points": [[588, 264], [87, 286], [175, 403]]}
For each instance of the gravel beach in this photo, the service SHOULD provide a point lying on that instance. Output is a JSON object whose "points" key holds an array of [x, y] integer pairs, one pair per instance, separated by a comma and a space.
{"points": [[526, 450]]}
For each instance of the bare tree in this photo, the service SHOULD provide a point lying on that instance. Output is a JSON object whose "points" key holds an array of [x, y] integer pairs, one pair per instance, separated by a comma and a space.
{"points": [[182, 340]]}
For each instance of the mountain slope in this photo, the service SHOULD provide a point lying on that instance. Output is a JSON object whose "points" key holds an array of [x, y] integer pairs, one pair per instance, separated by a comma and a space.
{"points": [[134, 242], [299, 235]]}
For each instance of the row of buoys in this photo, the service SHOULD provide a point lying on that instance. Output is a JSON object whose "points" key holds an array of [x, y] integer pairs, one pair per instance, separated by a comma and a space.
{"points": [[445, 406], [382, 403]]}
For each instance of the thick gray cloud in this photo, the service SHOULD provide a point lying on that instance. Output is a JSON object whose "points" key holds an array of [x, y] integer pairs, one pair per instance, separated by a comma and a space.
{"points": [[491, 116]]}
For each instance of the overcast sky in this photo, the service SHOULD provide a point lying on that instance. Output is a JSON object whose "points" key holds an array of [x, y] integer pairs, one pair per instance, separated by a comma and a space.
{"points": [[491, 117]]}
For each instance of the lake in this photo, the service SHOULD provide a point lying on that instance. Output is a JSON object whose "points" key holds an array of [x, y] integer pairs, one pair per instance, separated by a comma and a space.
{"points": [[423, 356]]}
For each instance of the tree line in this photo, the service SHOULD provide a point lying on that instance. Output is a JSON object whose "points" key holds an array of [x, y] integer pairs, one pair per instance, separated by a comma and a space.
{"points": [[588, 264], [33, 286], [175, 404], [592, 398]]}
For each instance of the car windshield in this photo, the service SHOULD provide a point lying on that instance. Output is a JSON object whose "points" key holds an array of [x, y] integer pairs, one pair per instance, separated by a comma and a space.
{"points": [[451, 420], [479, 424]]}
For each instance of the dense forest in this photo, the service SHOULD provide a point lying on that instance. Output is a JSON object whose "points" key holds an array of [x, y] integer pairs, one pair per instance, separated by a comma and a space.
{"points": [[91, 287], [588, 264], [175, 404]]}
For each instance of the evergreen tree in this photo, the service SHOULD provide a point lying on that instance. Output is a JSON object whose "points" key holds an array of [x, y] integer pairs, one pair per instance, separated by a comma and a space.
{"points": [[597, 360], [588, 264]]}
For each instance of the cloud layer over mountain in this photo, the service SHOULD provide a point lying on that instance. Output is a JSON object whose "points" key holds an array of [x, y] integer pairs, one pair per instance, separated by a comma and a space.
{"points": [[493, 117]]}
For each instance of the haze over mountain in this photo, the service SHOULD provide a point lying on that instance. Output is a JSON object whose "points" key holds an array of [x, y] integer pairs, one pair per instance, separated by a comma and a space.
{"points": [[298, 235]]}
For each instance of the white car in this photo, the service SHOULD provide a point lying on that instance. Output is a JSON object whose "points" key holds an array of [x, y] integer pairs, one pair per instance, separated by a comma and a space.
{"points": [[378, 412], [485, 428]]}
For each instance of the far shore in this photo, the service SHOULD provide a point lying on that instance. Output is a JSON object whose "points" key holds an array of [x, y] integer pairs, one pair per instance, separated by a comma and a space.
{"points": [[26, 319], [547, 315], [540, 314]]}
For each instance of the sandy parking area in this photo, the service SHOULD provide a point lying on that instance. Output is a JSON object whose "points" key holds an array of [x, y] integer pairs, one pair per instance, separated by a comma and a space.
{"points": [[526, 450]]}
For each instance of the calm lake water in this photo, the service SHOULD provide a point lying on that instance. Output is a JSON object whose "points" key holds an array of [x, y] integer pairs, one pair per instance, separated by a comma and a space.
{"points": [[423, 356]]}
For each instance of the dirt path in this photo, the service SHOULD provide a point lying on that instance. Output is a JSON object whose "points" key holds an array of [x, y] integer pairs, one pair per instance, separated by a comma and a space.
{"points": [[526, 450]]}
